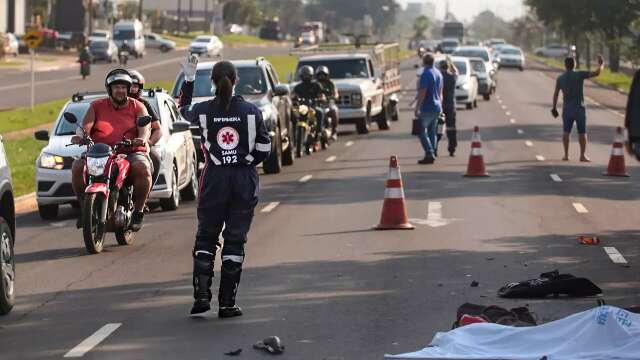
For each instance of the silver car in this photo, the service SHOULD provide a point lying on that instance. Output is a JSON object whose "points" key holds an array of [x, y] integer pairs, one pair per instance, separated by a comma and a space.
{"points": [[178, 172], [7, 236], [467, 84], [208, 45], [155, 41]]}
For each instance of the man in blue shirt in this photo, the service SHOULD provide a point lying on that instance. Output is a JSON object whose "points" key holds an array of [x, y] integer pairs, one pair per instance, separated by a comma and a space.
{"points": [[571, 83], [429, 107]]}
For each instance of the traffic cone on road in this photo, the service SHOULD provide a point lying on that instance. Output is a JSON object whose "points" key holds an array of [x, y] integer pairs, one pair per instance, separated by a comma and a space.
{"points": [[616, 161], [476, 167], [394, 211]]}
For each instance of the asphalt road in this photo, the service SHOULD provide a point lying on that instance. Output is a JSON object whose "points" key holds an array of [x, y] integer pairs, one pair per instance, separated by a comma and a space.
{"points": [[318, 277], [15, 86]]}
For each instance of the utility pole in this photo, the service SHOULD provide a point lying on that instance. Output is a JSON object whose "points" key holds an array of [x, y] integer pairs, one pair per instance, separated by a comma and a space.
{"points": [[206, 16], [90, 19], [140, 9], [179, 14], [190, 15]]}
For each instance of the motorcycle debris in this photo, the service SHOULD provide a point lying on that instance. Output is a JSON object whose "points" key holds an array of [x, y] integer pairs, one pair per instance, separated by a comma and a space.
{"points": [[234, 352], [588, 240], [474, 283], [272, 345]]}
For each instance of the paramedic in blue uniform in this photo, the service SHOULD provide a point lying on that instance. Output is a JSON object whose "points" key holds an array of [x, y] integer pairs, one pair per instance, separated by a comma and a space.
{"points": [[234, 141]]}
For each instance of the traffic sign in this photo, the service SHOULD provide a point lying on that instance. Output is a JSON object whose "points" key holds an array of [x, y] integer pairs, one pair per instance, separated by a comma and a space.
{"points": [[32, 39]]}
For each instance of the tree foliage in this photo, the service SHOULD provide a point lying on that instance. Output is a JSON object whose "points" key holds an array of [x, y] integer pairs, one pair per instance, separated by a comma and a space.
{"points": [[488, 25], [244, 12], [339, 13], [420, 25]]}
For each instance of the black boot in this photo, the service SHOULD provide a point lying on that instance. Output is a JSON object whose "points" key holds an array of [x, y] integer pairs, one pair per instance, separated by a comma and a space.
{"points": [[136, 220], [202, 279], [229, 281]]}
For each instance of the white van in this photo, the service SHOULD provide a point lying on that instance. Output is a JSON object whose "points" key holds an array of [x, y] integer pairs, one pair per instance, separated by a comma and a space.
{"points": [[133, 32]]}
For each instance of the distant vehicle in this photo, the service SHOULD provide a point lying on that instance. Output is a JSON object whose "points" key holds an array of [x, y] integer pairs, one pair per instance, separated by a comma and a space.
{"points": [[178, 173], [316, 27], [494, 41], [472, 42], [448, 46], [306, 38], [429, 45], [453, 29], [553, 50], [12, 46], [103, 50], [132, 32], [258, 83], [7, 236], [100, 35], [467, 84], [476, 52], [155, 41], [486, 78], [208, 45], [236, 29], [512, 57], [270, 30]]}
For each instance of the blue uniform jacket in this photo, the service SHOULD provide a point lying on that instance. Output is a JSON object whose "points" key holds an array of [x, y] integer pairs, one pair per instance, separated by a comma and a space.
{"points": [[237, 137]]}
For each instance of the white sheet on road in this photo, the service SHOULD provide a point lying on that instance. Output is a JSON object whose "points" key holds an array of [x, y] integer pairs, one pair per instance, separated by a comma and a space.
{"points": [[601, 333]]}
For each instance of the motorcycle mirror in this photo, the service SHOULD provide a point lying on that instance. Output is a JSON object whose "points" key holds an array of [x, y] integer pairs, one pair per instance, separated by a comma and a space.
{"points": [[70, 117], [143, 121]]}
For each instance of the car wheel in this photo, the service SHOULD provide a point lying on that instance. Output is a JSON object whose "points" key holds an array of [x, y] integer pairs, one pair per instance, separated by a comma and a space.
{"points": [[7, 268], [164, 48], [190, 193], [475, 103], [172, 203], [383, 118], [469, 106], [273, 164], [48, 212], [487, 97], [521, 68]]}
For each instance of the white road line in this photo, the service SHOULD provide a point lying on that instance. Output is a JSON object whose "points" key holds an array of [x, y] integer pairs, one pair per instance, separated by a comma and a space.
{"points": [[269, 208], [512, 120], [556, 177], [581, 209], [305, 178], [331, 158], [504, 107], [528, 143], [499, 100], [508, 113], [614, 255], [539, 157], [434, 216], [520, 131], [349, 143], [92, 341]]}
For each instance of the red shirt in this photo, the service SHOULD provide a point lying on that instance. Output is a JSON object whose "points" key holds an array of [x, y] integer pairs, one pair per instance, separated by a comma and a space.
{"points": [[113, 125]]}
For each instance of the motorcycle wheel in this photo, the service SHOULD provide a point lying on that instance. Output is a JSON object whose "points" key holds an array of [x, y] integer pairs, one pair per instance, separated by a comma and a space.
{"points": [[93, 233], [125, 237]]}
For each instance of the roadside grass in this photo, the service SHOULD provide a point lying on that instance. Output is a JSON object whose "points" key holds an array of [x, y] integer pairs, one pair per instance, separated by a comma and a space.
{"points": [[166, 84], [10, 62], [23, 118], [619, 81], [244, 39], [284, 65], [405, 53], [22, 155]]}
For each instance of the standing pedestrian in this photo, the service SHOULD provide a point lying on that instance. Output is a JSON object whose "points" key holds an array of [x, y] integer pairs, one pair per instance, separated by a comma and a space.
{"points": [[235, 140], [449, 79], [632, 117], [571, 82], [429, 107]]}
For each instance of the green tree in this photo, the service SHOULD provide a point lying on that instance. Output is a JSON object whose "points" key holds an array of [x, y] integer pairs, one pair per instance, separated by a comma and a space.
{"points": [[488, 25], [245, 12], [340, 13], [420, 25]]}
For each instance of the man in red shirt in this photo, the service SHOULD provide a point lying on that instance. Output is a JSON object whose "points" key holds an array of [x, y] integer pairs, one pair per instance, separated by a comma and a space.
{"points": [[108, 121]]}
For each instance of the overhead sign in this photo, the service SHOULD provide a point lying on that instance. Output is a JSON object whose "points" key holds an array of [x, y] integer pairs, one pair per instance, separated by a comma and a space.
{"points": [[32, 39]]}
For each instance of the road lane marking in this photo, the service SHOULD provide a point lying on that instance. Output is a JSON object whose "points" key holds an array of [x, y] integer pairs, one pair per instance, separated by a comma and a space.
{"points": [[539, 157], [581, 209], [556, 177], [499, 100], [512, 120], [305, 178], [331, 158], [614, 255], [269, 208], [508, 113], [93, 340], [349, 143], [528, 143], [434, 216], [504, 107], [520, 131]]}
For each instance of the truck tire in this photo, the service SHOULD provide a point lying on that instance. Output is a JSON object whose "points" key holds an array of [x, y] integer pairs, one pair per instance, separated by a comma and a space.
{"points": [[394, 113], [362, 126], [487, 97], [383, 118]]}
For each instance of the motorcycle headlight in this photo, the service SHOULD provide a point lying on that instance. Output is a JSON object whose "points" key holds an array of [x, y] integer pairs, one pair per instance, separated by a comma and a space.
{"points": [[95, 166], [356, 99], [303, 110], [49, 161]]}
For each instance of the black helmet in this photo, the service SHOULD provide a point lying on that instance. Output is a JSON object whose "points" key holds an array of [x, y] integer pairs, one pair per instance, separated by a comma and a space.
{"points": [[305, 73], [118, 76], [322, 71], [137, 78]]}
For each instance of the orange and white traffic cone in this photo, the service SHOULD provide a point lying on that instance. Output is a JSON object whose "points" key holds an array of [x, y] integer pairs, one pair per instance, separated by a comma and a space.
{"points": [[476, 167], [394, 211], [616, 161]]}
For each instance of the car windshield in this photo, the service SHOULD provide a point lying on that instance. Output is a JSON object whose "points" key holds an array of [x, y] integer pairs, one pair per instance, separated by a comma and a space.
{"points": [[122, 34], [66, 128], [99, 45], [449, 43], [99, 34], [251, 81], [483, 54], [510, 52], [202, 40], [478, 66], [341, 69], [461, 66]]}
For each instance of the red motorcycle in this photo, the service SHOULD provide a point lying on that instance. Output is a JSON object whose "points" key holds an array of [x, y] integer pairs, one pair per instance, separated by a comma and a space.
{"points": [[108, 199]]}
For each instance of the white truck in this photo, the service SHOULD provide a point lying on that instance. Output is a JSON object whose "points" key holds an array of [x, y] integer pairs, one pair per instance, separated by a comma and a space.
{"points": [[367, 78]]}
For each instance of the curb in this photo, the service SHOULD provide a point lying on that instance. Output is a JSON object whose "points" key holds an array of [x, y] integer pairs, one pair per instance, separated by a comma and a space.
{"points": [[26, 203]]}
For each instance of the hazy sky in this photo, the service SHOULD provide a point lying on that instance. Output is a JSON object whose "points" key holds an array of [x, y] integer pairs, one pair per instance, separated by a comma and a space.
{"points": [[467, 9]]}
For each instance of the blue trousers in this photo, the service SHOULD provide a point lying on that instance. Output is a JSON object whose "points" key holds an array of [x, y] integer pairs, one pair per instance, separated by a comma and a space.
{"points": [[428, 126]]}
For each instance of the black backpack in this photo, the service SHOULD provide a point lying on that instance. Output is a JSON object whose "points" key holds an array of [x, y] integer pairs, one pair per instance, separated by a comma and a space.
{"points": [[550, 283]]}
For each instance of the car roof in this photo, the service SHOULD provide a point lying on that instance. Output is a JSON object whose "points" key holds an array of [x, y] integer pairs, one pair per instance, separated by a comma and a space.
{"points": [[208, 65], [330, 57], [477, 48], [476, 59], [209, 37]]}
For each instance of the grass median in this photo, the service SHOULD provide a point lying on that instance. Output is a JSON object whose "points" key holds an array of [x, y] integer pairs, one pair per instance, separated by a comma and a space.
{"points": [[22, 155], [183, 40]]}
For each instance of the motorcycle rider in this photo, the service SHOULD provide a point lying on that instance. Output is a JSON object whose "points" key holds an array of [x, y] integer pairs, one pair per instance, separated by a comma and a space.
{"points": [[331, 93], [85, 59], [124, 52], [312, 90], [156, 128], [108, 121], [235, 140]]}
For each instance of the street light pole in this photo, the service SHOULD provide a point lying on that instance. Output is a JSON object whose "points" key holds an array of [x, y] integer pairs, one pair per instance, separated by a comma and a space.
{"points": [[179, 14], [140, 9]]}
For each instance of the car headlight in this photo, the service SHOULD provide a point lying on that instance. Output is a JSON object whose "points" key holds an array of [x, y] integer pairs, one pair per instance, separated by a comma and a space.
{"points": [[95, 166], [303, 110], [49, 161], [356, 99]]}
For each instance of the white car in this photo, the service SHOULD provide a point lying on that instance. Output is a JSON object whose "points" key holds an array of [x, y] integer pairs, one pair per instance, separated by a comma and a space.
{"points": [[156, 41], [512, 57], [13, 44], [553, 50], [486, 79], [476, 52], [7, 236], [102, 35], [178, 173], [467, 84], [209, 45]]}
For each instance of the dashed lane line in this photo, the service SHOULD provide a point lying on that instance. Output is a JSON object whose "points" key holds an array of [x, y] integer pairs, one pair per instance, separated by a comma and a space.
{"points": [[528, 143], [269, 208], [614, 255], [92, 341], [504, 107], [556, 177], [508, 113], [305, 178], [520, 131], [512, 120], [581, 209], [348, 143], [331, 158], [540, 158]]}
